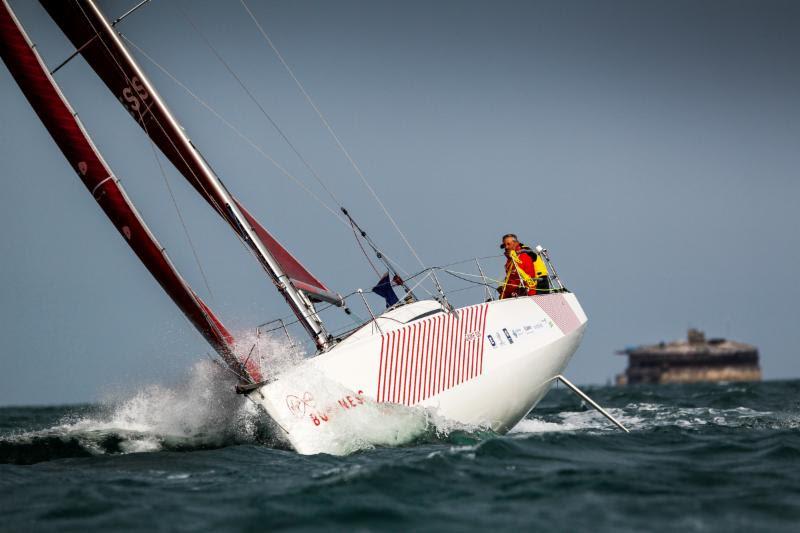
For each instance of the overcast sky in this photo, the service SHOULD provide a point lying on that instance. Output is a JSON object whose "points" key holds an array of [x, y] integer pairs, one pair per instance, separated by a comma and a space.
{"points": [[653, 147]]}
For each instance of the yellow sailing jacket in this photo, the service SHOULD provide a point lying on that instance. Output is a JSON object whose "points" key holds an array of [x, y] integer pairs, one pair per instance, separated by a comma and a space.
{"points": [[539, 267]]}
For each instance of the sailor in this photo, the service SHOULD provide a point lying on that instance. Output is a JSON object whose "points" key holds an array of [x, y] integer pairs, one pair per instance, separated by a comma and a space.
{"points": [[520, 278]]}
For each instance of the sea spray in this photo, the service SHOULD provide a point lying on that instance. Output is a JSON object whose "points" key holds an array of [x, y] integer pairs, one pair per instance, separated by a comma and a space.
{"points": [[201, 412], [272, 352]]}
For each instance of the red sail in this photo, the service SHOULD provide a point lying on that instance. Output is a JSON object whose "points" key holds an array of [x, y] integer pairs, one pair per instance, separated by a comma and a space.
{"points": [[61, 122], [83, 23], [300, 277]]}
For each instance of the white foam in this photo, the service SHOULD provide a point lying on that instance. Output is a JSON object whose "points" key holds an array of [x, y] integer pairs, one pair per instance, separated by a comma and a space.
{"points": [[533, 425], [688, 417], [202, 408], [578, 421], [141, 445], [201, 411], [272, 352], [643, 416]]}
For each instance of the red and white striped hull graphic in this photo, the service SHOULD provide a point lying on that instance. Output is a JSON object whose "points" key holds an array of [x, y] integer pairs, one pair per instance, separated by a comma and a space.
{"points": [[559, 310], [431, 356]]}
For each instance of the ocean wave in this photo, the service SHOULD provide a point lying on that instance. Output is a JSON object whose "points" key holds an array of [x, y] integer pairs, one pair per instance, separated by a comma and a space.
{"points": [[647, 416], [199, 413], [203, 413]]}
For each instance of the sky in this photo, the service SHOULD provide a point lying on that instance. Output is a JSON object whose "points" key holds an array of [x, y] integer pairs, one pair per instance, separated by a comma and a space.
{"points": [[652, 146]]}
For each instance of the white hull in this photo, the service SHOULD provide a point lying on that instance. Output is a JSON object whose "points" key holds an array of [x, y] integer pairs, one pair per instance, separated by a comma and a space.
{"points": [[485, 365]]}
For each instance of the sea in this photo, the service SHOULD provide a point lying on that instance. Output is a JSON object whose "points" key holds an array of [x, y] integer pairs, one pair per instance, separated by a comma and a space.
{"points": [[194, 457]]}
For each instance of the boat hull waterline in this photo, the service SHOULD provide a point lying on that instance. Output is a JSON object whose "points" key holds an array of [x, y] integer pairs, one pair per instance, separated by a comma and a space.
{"points": [[481, 366]]}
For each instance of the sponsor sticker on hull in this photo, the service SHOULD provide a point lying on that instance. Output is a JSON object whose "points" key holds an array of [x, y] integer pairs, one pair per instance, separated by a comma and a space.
{"points": [[304, 406], [507, 335]]}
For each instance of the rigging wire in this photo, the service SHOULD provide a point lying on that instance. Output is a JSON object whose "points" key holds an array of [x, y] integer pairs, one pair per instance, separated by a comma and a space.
{"points": [[256, 102], [383, 259], [332, 132], [234, 129], [79, 49], [465, 277], [178, 211], [361, 246], [172, 196], [285, 138], [252, 144], [263, 153]]}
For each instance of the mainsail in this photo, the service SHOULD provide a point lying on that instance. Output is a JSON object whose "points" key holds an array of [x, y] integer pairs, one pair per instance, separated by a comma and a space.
{"points": [[87, 28], [62, 123]]}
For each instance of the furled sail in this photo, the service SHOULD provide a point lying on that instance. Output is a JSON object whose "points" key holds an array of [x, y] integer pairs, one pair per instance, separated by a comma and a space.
{"points": [[63, 125], [89, 31]]}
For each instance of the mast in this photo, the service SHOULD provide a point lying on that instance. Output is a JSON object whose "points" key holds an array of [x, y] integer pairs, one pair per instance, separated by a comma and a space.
{"points": [[63, 124], [89, 30]]}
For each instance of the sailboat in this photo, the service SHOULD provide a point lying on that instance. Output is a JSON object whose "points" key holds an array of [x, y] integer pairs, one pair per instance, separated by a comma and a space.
{"points": [[483, 365]]}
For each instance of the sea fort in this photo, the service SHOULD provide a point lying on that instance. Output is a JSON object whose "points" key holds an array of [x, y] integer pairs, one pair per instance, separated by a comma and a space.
{"points": [[690, 361]]}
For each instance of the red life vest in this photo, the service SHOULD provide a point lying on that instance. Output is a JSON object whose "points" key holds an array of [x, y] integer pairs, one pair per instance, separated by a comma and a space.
{"points": [[513, 284]]}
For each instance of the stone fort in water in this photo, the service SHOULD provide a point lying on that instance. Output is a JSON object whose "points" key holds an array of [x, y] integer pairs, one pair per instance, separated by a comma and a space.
{"points": [[693, 360]]}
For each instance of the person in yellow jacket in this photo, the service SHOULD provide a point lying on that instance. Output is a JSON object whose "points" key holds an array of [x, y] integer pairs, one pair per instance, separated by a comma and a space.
{"points": [[540, 268]]}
